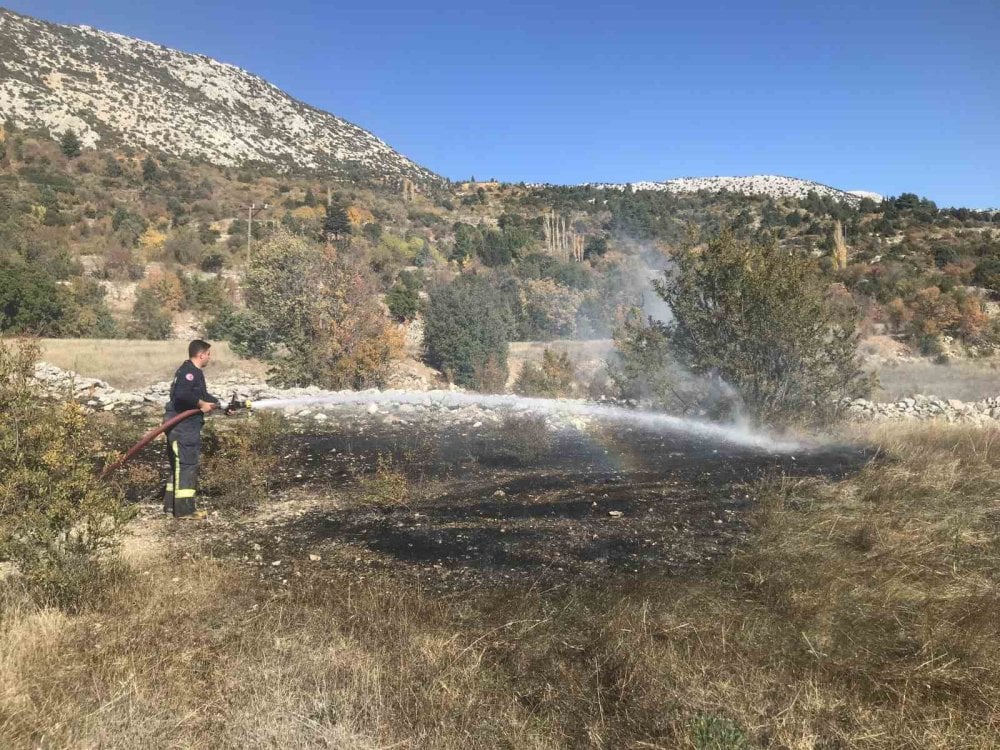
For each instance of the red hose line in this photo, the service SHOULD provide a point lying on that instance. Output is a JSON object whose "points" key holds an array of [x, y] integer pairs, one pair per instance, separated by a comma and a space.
{"points": [[147, 439]]}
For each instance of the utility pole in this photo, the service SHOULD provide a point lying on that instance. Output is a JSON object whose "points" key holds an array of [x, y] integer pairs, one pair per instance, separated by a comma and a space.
{"points": [[250, 212]]}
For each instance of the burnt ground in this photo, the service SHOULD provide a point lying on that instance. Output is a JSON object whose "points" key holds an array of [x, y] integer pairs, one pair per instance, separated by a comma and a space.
{"points": [[484, 507]]}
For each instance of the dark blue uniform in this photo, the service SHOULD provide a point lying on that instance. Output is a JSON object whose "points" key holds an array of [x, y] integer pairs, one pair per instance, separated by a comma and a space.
{"points": [[184, 439]]}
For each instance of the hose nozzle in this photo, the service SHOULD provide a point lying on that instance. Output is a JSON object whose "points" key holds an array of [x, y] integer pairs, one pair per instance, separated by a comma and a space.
{"points": [[236, 405]]}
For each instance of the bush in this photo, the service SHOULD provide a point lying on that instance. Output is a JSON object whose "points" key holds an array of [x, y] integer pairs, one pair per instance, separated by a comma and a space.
{"points": [[184, 246], [387, 485], [213, 263], [403, 302], [555, 377], [524, 437], [56, 517], [85, 313], [150, 320], [760, 318], [987, 274], [466, 322], [240, 460], [205, 295]]}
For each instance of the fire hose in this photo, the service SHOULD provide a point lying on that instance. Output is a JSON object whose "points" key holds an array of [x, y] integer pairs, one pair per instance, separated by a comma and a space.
{"points": [[146, 439]]}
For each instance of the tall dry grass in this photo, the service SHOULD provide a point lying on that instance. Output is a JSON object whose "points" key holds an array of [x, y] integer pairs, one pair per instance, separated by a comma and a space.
{"points": [[860, 615]]}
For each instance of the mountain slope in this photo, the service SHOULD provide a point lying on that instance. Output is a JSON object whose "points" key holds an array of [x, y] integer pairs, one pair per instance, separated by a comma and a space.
{"points": [[774, 186], [116, 90]]}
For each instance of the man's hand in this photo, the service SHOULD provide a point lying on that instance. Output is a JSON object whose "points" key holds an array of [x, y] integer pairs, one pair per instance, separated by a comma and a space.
{"points": [[206, 406]]}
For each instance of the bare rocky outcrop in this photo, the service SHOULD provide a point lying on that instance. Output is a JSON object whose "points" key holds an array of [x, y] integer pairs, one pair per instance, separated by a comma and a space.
{"points": [[772, 186], [113, 90]]}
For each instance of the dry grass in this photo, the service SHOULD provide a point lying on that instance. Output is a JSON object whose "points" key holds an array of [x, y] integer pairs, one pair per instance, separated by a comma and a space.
{"points": [[130, 364], [968, 380], [861, 615]]}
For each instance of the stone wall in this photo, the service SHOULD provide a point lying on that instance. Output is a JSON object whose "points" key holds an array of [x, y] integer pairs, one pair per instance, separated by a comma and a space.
{"points": [[100, 396], [922, 407]]}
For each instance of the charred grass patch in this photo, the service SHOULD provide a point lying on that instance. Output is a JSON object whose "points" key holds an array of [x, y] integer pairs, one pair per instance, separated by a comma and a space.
{"points": [[858, 614]]}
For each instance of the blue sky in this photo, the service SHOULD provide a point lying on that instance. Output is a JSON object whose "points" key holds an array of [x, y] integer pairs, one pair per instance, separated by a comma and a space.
{"points": [[892, 97]]}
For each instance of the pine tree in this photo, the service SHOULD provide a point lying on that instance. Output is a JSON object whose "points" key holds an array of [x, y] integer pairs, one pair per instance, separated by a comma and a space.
{"points": [[337, 223], [70, 144]]}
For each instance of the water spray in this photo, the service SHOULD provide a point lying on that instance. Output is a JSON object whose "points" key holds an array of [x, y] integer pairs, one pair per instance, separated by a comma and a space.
{"points": [[742, 436], [655, 421]]}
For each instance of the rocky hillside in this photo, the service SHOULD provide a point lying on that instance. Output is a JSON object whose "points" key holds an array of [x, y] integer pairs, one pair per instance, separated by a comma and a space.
{"points": [[115, 90], [772, 186]]}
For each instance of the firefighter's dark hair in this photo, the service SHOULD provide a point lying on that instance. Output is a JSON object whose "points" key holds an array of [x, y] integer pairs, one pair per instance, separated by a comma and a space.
{"points": [[196, 347]]}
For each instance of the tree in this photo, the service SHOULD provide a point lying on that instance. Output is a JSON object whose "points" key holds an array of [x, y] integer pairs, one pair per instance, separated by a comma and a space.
{"points": [[467, 322], [987, 274], [468, 242], [128, 226], [324, 310], [759, 317], [337, 223], [30, 301], [595, 247], [550, 309], [70, 144]]}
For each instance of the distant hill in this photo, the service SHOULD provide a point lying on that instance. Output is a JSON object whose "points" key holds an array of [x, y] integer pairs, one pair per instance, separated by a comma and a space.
{"points": [[773, 186], [113, 90]]}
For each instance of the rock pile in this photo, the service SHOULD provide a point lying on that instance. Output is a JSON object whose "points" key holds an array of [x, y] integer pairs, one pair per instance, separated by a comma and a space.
{"points": [[100, 396], [922, 407]]}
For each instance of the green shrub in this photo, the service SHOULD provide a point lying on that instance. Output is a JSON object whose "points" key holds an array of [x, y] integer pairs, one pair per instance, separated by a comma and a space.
{"points": [[403, 302], [711, 732], [150, 320], [56, 517], [240, 460], [248, 335], [205, 295], [213, 262], [555, 377]]}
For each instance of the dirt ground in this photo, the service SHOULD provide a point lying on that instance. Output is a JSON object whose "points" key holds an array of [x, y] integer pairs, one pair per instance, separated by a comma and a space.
{"points": [[477, 511]]}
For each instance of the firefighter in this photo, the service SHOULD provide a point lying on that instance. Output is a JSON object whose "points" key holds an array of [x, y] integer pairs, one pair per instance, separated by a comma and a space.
{"points": [[188, 391]]}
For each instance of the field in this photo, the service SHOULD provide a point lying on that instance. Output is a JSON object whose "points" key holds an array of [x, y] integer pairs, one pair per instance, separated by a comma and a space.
{"points": [[445, 586], [126, 363], [966, 380]]}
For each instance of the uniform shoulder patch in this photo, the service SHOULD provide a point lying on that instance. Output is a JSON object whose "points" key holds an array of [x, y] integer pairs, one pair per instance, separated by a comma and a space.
{"points": [[189, 376]]}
